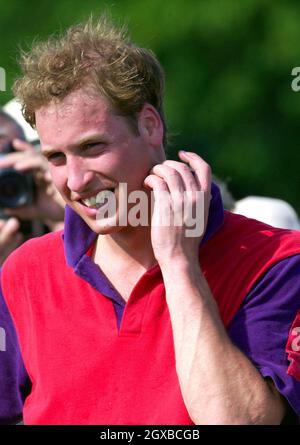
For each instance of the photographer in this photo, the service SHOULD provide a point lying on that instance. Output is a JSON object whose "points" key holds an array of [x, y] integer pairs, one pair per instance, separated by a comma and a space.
{"points": [[26, 190]]}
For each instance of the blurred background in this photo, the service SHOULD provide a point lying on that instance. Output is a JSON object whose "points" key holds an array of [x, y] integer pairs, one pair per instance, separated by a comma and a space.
{"points": [[228, 66]]}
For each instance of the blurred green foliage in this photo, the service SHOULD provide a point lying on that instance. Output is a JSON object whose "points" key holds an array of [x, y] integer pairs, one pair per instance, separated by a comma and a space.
{"points": [[228, 66]]}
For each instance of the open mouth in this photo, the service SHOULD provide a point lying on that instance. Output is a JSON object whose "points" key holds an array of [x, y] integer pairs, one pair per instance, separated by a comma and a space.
{"points": [[99, 200]]}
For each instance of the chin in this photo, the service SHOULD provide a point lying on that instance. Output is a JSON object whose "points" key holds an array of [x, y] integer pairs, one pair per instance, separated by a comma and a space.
{"points": [[103, 227]]}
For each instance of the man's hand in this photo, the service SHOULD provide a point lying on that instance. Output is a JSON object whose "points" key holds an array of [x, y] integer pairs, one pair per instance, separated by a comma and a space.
{"points": [[219, 384], [10, 237], [176, 198], [48, 206]]}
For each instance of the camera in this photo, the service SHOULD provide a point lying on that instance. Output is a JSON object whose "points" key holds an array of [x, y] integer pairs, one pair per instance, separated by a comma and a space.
{"points": [[16, 188]]}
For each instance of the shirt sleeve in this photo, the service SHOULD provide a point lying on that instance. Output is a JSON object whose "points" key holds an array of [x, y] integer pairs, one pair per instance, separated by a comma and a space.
{"points": [[263, 327], [15, 384]]}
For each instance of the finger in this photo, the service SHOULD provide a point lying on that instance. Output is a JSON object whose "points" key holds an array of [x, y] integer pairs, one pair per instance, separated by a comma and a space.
{"points": [[9, 160], [200, 167], [32, 162], [23, 160], [175, 185], [171, 177], [186, 174], [20, 145], [8, 230], [159, 188], [155, 183], [161, 211], [203, 175]]}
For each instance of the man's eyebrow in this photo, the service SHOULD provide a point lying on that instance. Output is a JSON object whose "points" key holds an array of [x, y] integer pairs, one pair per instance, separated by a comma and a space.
{"points": [[47, 151]]}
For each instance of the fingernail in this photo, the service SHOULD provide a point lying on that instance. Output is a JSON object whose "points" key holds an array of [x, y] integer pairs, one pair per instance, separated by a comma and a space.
{"points": [[187, 153]]}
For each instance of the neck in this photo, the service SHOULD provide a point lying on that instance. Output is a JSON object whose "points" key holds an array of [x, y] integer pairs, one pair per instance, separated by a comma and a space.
{"points": [[129, 247]]}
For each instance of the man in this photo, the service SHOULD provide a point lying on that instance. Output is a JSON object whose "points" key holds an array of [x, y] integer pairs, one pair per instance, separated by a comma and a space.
{"points": [[141, 324]]}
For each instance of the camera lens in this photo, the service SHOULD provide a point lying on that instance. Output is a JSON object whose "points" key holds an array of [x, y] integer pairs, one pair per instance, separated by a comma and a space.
{"points": [[13, 189]]}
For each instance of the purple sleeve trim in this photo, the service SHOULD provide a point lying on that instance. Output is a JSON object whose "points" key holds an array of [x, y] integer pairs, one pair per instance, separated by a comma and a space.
{"points": [[261, 327], [14, 381]]}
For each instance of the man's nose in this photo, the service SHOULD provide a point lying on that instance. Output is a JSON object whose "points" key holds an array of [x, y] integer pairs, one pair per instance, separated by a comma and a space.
{"points": [[78, 176]]}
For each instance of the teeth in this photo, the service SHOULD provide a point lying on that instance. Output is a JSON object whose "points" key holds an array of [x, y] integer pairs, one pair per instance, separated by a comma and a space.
{"points": [[100, 198], [103, 196]]}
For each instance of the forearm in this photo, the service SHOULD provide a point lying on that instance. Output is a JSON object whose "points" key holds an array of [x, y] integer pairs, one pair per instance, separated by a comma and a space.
{"points": [[219, 384]]}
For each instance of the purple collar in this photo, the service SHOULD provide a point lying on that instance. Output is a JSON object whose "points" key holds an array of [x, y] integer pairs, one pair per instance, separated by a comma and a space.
{"points": [[78, 237]]}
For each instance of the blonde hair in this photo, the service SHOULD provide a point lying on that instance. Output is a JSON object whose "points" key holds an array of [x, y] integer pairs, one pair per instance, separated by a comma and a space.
{"points": [[92, 53]]}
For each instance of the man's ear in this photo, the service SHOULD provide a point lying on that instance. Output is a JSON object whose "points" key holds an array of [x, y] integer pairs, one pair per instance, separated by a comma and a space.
{"points": [[150, 125]]}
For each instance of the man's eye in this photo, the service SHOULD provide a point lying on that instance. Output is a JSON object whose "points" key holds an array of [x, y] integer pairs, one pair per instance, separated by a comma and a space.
{"points": [[55, 158], [93, 148], [91, 145]]}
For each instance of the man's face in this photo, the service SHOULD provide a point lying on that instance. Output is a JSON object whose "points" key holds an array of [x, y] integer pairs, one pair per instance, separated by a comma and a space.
{"points": [[90, 149]]}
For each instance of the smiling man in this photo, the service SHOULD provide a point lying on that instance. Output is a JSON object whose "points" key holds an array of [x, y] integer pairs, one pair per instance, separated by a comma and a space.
{"points": [[114, 323], [91, 149]]}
